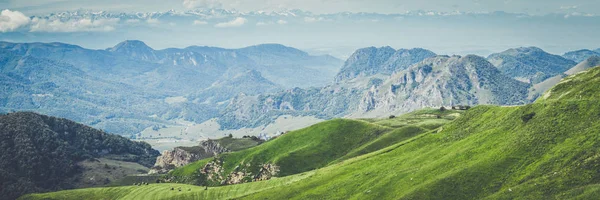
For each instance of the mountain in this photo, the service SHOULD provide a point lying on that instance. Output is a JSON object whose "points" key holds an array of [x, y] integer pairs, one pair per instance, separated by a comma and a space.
{"points": [[540, 88], [434, 82], [580, 55], [384, 60], [530, 64], [544, 150], [292, 67], [592, 61], [443, 81], [131, 86], [42, 153], [135, 49]]}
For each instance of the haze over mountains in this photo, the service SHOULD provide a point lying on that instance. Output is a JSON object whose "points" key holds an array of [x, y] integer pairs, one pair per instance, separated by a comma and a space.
{"points": [[315, 32], [131, 87]]}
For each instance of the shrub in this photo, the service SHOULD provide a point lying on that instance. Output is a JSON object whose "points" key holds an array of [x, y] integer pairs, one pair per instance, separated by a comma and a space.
{"points": [[527, 117]]}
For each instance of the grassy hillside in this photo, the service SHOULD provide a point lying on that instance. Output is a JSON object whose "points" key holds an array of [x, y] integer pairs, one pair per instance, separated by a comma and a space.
{"points": [[546, 150], [314, 147]]}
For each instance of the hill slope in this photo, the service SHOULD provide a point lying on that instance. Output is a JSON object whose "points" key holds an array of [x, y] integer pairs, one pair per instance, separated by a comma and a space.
{"points": [[580, 55], [310, 148], [42, 153], [546, 150], [530, 64]]}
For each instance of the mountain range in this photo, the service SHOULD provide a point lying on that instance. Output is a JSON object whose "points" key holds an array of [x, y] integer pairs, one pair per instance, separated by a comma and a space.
{"points": [[131, 87], [547, 149]]}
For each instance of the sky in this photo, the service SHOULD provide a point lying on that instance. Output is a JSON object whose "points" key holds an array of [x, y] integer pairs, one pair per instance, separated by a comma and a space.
{"points": [[538, 7], [554, 25]]}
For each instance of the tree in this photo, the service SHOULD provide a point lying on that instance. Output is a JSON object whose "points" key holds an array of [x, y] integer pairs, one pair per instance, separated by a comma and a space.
{"points": [[392, 116], [442, 108], [230, 135]]}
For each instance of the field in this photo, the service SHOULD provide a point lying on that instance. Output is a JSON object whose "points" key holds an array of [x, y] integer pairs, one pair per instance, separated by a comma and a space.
{"points": [[546, 150]]}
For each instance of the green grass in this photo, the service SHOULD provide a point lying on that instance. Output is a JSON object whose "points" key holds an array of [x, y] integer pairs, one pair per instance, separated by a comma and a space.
{"points": [[163, 191], [490, 152], [321, 145]]}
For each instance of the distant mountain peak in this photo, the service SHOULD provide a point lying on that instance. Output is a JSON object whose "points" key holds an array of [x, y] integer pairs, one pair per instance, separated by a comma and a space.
{"points": [[580, 55], [136, 49], [530, 64], [130, 44], [380, 60]]}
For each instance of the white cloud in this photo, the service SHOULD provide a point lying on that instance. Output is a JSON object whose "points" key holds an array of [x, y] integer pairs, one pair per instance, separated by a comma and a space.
{"points": [[74, 25], [152, 21], [261, 24], [132, 21], [313, 19], [568, 7], [202, 4], [200, 22], [12, 20], [233, 23], [281, 21]]}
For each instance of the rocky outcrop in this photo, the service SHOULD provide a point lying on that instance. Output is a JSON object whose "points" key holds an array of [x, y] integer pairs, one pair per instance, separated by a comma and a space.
{"points": [[181, 156], [267, 171], [213, 173]]}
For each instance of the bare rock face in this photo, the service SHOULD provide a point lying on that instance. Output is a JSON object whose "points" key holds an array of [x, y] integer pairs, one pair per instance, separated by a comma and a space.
{"points": [[267, 172], [181, 156], [170, 159], [213, 171]]}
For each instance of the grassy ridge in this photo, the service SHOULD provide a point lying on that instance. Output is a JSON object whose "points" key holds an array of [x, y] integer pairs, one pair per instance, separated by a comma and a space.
{"points": [[322, 144], [489, 153], [546, 150]]}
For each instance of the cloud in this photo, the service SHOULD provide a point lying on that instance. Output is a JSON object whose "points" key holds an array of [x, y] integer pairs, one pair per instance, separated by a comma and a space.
{"points": [[12, 20], [132, 21], [261, 24], [74, 25], [202, 4], [568, 7], [281, 21], [200, 22], [152, 21], [233, 23], [313, 19]]}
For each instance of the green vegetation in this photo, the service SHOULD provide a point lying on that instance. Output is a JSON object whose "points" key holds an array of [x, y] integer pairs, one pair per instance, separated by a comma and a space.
{"points": [[317, 146], [42, 153], [546, 150]]}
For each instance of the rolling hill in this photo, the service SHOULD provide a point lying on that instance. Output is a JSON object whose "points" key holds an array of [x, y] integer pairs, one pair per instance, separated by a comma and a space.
{"points": [[545, 150], [308, 149], [42, 153]]}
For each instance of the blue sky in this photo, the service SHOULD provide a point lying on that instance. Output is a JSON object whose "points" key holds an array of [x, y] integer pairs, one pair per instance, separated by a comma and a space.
{"points": [[554, 25], [318, 6]]}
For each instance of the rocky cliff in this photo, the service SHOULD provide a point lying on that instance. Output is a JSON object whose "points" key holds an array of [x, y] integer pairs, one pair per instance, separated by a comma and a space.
{"points": [[181, 156]]}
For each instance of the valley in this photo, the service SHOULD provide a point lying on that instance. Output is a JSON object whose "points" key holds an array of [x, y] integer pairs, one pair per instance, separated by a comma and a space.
{"points": [[546, 149]]}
